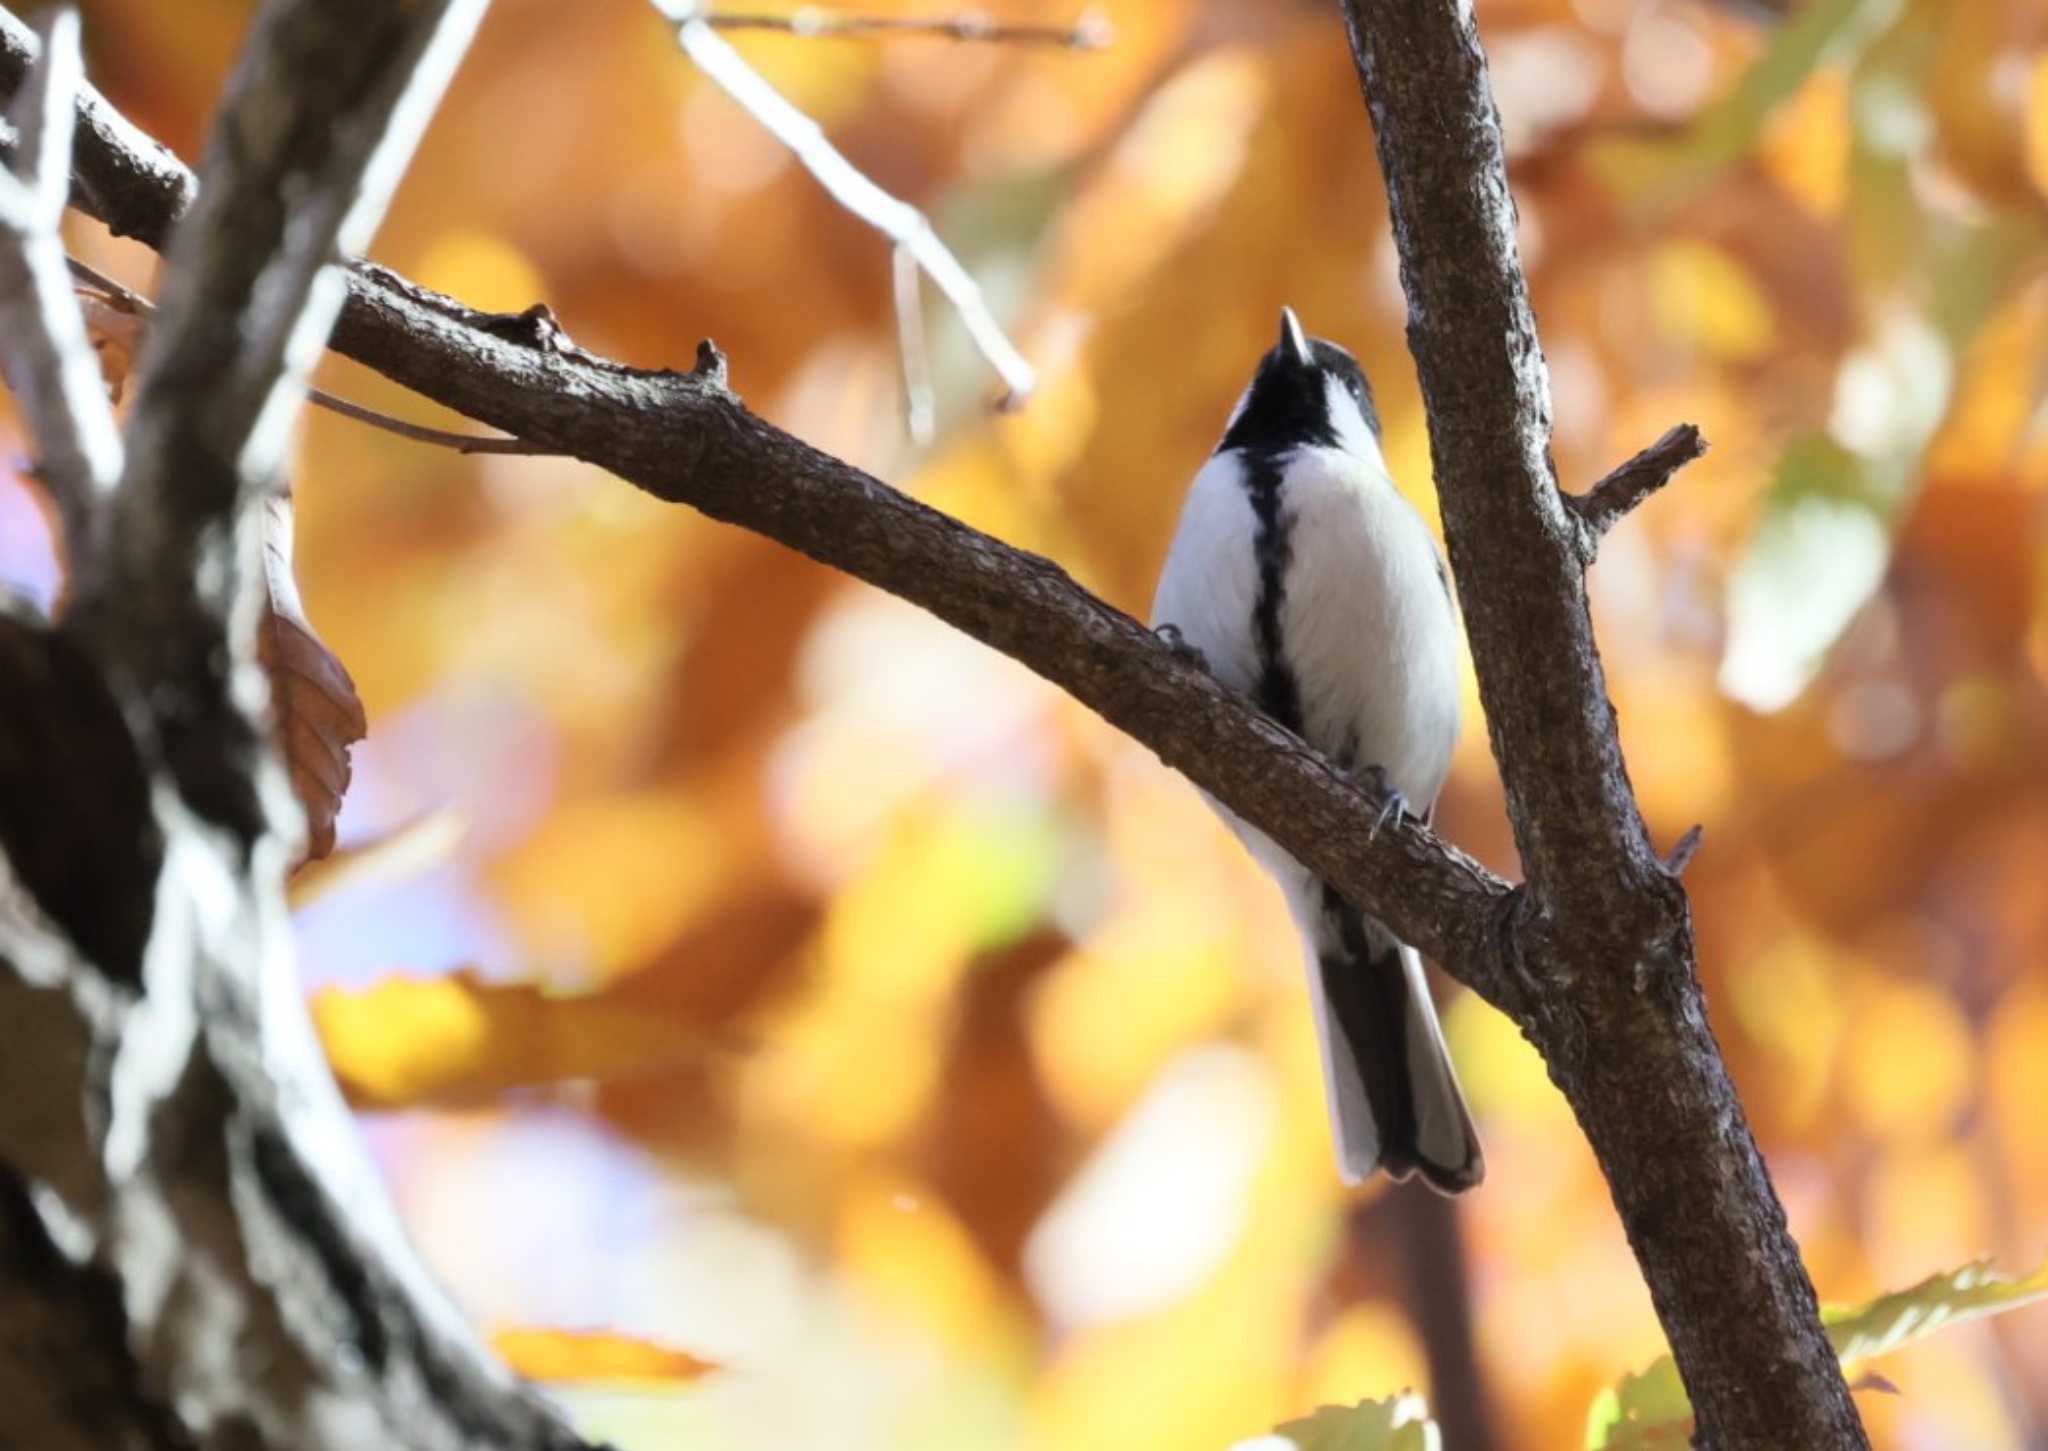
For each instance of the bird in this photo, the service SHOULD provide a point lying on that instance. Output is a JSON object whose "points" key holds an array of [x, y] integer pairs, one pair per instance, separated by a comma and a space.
{"points": [[1303, 579]]}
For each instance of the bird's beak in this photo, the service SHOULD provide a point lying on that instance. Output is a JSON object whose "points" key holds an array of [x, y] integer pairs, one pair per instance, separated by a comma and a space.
{"points": [[1293, 341]]}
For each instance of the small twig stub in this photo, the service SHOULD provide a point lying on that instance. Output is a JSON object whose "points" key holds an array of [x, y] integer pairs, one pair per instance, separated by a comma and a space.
{"points": [[1602, 506]]}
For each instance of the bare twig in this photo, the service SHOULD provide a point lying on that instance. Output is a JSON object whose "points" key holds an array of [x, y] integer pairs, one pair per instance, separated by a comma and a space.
{"points": [[497, 443], [127, 299], [43, 344], [897, 220], [1091, 32], [1681, 855], [919, 409], [1602, 506]]}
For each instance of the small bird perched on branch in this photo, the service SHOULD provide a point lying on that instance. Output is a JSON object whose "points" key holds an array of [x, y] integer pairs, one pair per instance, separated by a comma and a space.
{"points": [[1308, 583]]}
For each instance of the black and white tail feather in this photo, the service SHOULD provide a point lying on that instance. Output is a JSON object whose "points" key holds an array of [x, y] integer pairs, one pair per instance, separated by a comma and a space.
{"points": [[1311, 585]]}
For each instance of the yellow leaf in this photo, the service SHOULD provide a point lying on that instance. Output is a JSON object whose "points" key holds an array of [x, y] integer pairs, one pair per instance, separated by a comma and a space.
{"points": [[409, 1041], [1806, 146], [1706, 298], [2037, 123], [593, 1355], [1910, 1061], [484, 270]]}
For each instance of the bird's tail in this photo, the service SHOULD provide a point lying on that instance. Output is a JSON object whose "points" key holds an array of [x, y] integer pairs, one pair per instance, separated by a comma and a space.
{"points": [[1394, 1097]]}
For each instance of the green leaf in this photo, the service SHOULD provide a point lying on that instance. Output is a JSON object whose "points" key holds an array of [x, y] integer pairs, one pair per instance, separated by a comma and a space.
{"points": [[1819, 552], [1652, 176], [1824, 540], [1400, 1423], [1886, 1323], [1649, 1409]]}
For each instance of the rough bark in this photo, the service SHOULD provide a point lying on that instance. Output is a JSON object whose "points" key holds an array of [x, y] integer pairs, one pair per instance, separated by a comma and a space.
{"points": [[185, 1203], [1604, 929], [1593, 958], [67, 1377]]}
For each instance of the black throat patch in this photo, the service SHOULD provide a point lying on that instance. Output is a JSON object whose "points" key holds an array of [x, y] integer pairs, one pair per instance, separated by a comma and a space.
{"points": [[1279, 693], [1288, 403]]}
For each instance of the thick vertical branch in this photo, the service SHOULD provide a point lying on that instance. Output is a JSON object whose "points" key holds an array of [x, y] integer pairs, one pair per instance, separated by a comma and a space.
{"points": [[68, 1381], [320, 118], [190, 1129], [1606, 940]]}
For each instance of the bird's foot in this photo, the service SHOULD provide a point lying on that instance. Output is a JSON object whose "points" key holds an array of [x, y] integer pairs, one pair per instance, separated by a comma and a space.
{"points": [[1175, 641], [1395, 805]]}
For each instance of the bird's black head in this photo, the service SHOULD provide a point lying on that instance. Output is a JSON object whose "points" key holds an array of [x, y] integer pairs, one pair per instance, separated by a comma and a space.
{"points": [[1306, 391]]}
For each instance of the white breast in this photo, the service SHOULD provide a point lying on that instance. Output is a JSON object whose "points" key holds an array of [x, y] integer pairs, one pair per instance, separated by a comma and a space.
{"points": [[1368, 623], [1210, 584]]}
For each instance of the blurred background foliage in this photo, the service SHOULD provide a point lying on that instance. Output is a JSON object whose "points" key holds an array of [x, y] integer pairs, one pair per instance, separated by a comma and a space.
{"points": [[781, 980]]}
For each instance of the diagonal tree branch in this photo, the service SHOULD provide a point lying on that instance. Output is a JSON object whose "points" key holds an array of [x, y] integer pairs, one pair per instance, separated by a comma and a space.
{"points": [[1607, 935], [267, 1283], [686, 438], [43, 344]]}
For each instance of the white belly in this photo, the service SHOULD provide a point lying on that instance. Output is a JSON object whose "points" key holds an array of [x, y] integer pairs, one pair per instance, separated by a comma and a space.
{"points": [[1367, 624]]}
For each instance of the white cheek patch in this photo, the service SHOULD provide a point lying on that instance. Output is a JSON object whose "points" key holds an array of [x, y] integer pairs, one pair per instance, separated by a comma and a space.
{"points": [[1347, 419], [1237, 410]]}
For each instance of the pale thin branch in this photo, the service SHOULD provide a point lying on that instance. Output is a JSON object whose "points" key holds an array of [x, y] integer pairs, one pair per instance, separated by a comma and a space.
{"points": [[897, 220], [43, 344], [1092, 31], [919, 409], [127, 299], [1602, 506]]}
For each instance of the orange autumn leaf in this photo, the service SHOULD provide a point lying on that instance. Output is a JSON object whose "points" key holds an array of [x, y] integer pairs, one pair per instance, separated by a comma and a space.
{"points": [[408, 1041], [561, 1356]]}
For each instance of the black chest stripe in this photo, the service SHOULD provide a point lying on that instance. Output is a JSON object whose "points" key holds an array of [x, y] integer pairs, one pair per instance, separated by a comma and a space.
{"points": [[1279, 693]]}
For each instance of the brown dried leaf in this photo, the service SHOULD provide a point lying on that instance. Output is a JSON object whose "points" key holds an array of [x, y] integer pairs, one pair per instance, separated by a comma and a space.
{"points": [[314, 707], [116, 333]]}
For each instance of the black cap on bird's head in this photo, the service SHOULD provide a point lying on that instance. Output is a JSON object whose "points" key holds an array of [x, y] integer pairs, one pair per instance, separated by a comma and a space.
{"points": [[1306, 391]]}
